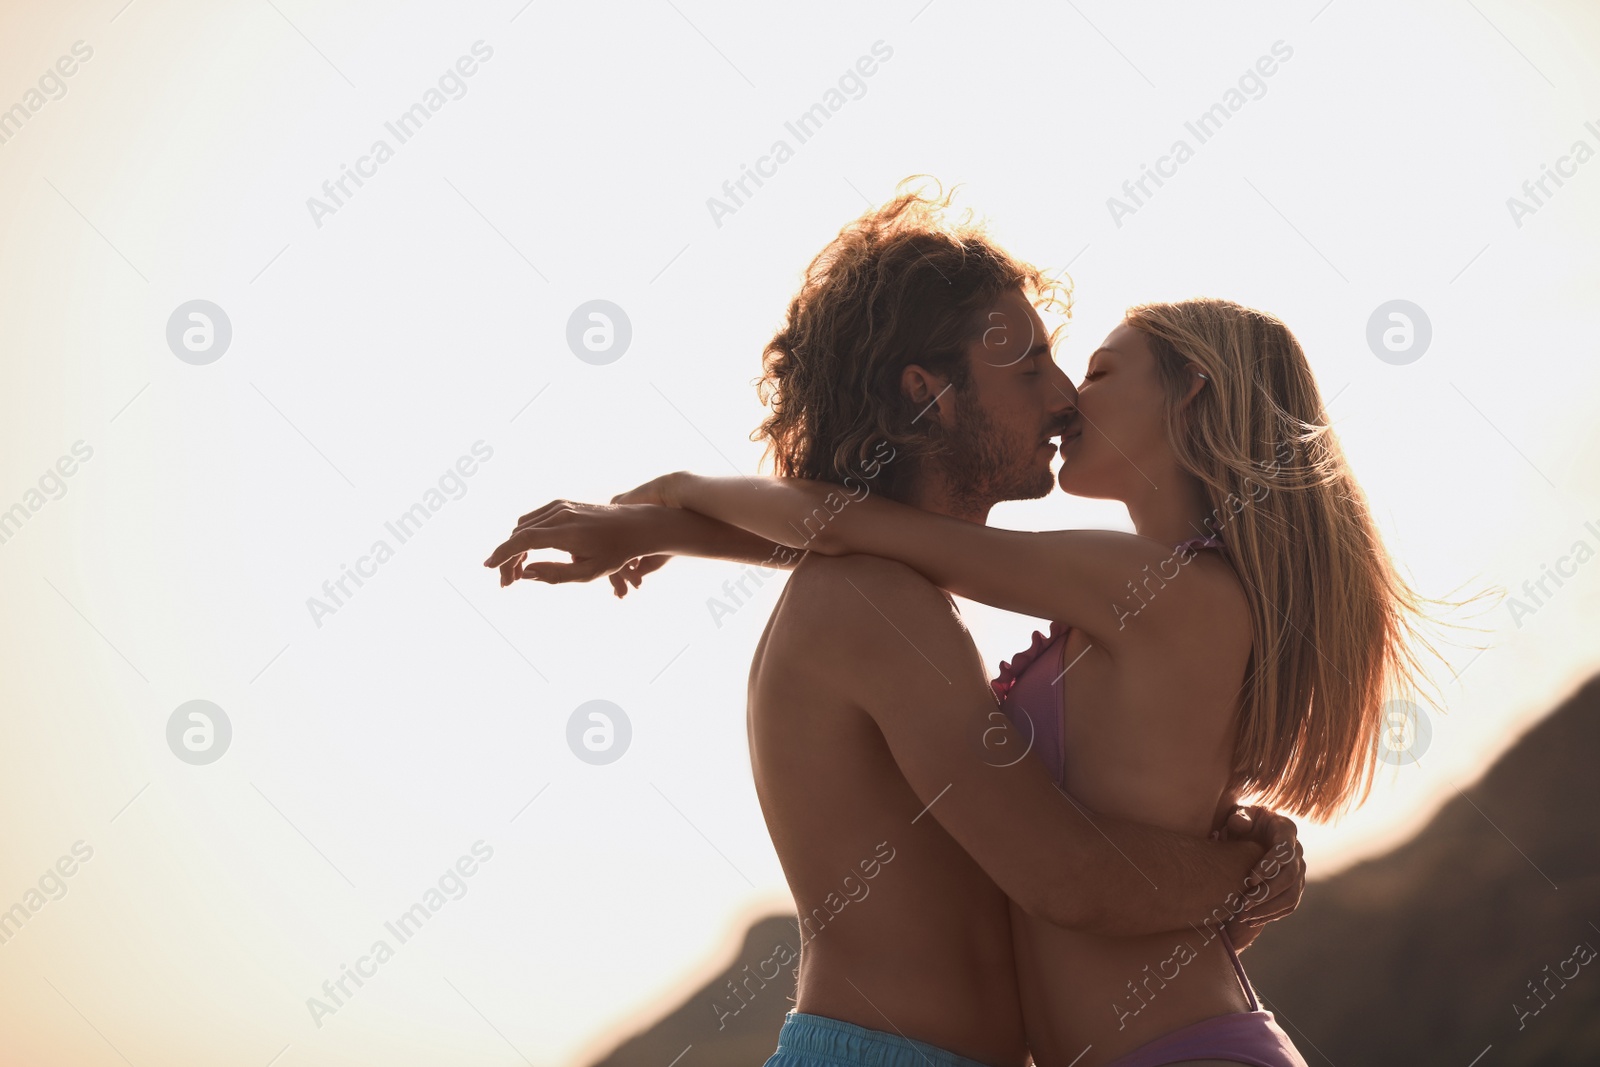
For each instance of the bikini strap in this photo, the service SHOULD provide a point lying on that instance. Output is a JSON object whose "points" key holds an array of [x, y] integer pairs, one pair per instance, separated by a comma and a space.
{"points": [[1238, 969]]}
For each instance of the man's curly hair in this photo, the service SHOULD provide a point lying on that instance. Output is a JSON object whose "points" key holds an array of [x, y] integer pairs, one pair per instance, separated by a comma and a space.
{"points": [[906, 283]]}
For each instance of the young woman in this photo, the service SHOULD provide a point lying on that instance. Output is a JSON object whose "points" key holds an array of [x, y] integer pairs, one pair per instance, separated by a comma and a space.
{"points": [[1242, 641]]}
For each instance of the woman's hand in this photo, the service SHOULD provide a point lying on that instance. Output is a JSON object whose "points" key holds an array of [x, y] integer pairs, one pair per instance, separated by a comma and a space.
{"points": [[662, 491], [634, 572], [613, 540], [657, 491]]}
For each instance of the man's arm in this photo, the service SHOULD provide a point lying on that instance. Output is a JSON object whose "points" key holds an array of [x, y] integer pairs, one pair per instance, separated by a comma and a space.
{"points": [[905, 658]]}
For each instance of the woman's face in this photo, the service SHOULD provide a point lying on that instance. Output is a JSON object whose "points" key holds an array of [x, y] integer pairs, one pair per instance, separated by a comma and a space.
{"points": [[1118, 443]]}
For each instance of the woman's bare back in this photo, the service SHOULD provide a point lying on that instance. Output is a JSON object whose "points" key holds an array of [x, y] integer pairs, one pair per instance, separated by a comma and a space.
{"points": [[1146, 734]]}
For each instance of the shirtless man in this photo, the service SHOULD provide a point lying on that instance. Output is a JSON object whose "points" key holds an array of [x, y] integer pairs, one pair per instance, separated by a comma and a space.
{"points": [[877, 750]]}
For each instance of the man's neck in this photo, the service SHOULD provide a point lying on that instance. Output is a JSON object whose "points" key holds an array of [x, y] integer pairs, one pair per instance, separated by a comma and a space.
{"points": [[933, 494]]}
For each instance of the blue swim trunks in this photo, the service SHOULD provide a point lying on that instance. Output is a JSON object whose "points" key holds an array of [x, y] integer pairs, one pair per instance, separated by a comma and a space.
{"points": [[817, 1041]]}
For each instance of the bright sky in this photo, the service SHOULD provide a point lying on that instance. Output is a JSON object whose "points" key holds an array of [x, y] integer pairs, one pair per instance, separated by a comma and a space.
{"points": [[378, 336]]}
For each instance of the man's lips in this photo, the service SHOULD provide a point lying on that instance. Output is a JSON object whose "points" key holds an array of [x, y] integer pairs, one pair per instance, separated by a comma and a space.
{"points": [[1058, 441]]}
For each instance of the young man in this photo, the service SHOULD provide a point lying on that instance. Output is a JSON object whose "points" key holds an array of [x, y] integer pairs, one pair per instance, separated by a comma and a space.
{"points": [[912, 364]]}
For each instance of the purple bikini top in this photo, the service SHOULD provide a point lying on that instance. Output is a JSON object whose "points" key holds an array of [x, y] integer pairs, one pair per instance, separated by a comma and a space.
{"points": [[1030, 692]]}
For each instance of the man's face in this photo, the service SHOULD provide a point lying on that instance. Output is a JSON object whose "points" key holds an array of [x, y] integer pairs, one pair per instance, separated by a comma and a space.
{"points": [[1016, 400]]}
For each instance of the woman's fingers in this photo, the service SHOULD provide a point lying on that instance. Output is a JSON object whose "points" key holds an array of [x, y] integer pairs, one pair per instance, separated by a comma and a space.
{"points": [[519, 543], [594, 536], [556, 573], [637, 569], [560, 525]]}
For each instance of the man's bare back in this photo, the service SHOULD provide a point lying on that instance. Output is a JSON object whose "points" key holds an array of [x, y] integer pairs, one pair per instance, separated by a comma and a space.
{"points": [[871, 871]]}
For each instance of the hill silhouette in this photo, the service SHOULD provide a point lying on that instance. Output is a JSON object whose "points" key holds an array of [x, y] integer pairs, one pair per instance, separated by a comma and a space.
{"points": [[1472, 943]]}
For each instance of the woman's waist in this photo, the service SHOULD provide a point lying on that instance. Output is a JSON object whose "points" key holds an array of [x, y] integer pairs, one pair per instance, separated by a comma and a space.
{"points": [[1116, 994]]}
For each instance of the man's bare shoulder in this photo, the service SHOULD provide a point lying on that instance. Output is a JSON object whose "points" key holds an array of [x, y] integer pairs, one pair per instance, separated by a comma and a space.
{"points": [[819, 621], [840, 608], [866, 630], [835, 590]]}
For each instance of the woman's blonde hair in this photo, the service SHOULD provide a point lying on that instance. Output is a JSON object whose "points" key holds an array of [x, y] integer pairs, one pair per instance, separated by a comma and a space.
{"points": [[1335, 626]]}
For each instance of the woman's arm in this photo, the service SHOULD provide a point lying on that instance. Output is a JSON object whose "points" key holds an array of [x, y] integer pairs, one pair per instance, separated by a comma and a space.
{"points": [[689, 533], [1093, 579], [617, 540]]}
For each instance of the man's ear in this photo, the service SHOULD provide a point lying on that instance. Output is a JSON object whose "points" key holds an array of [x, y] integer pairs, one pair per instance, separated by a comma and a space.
{"points": [[928, 392]]}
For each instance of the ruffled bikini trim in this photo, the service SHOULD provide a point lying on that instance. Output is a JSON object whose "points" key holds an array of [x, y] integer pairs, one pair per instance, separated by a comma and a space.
{"points": [[1010, 671]]}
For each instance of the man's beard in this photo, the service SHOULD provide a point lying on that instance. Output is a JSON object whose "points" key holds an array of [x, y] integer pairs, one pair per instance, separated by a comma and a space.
{"points": [[981, 467]]}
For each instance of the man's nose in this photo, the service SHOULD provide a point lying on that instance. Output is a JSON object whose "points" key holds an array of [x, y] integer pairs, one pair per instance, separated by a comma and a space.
{"points": [[1066, 394]]}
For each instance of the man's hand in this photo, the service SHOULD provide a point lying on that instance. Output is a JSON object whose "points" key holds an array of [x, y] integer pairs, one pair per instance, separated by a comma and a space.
{"points": [[613, 540], [1282, 870]]}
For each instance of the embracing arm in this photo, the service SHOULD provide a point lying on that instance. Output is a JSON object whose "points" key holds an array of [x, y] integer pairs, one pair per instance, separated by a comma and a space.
{"points": [[624, 542], [1077, 575], [1055, 858], [906, 660], [677, 532]]}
